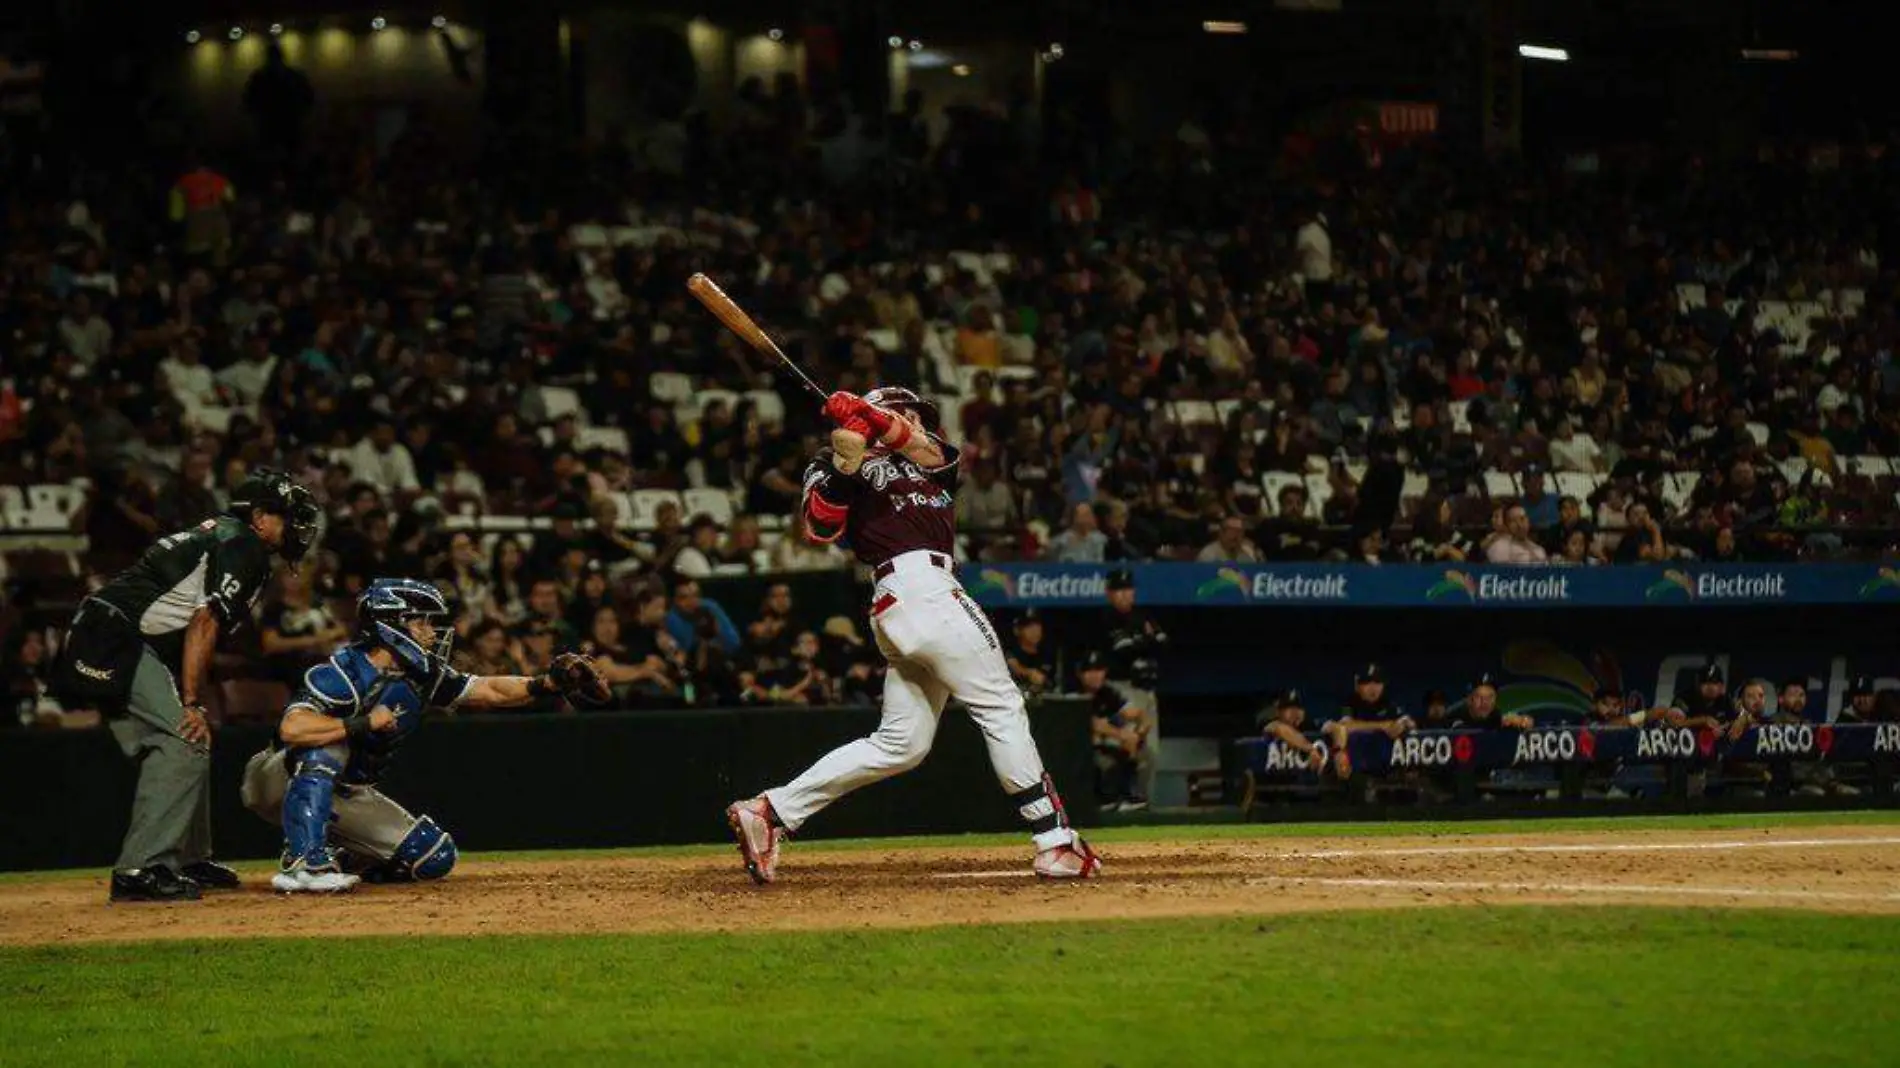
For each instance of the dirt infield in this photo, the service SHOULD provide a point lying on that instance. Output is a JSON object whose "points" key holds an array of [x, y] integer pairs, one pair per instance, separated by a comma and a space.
{"points": [[1839, 869]]}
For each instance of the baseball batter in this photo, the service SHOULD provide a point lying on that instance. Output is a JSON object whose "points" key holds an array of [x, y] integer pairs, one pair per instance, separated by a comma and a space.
{"points": [[343, 727], [885, 487]]}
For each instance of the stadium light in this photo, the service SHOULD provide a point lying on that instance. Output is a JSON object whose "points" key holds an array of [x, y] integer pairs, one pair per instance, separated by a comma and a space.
{"points": [[916, 45], [276, 29], [1218, 26], [775, 34], [236, 34], [961, 70], [192, 36], [1055, 49], [1529, 51], [440, 22], [895, 42], [378, 22]]}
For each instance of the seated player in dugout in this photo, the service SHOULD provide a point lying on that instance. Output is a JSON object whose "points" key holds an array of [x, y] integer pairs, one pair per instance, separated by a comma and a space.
{"points": [[1480, 710], [1031, 661], [1119, 729], [1704, 705], [1366, 710], [1607, 710], [1283, 721]]}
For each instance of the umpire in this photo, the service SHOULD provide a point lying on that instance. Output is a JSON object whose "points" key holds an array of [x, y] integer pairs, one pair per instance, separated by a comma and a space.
{"points": [[1132, 644], [139, 650]]}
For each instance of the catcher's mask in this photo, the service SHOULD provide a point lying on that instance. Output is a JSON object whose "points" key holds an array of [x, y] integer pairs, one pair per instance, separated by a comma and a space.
{"points": [[897, 398], [385, 613]]}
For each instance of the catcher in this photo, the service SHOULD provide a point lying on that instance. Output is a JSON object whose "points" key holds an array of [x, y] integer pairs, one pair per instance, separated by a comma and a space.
{"points": [[344, 725]]}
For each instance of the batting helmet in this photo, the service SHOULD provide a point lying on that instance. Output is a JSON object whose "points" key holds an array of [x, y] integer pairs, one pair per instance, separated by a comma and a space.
{"points": [[897, 398]]}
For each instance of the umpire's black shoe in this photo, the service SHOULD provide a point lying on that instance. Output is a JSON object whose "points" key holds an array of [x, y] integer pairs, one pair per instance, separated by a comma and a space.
{"points": [[212, 875], [153, 884]]}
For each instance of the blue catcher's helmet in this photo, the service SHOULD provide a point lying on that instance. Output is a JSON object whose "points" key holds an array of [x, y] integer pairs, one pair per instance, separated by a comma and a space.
{"points": [[383, 615]]}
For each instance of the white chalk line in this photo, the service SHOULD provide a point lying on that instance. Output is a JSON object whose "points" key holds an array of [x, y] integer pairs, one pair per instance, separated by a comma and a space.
{"points": [[1685, 890], [1475, 850], [1579, 847]]}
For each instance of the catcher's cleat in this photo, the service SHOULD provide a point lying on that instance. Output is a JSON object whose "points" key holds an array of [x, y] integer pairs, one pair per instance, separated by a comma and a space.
{"points": [[301, 878], [1073, 861], [758, 837]]}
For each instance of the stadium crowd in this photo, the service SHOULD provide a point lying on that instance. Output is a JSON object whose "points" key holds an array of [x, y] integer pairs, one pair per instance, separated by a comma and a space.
{"points": [[1193, 350]]}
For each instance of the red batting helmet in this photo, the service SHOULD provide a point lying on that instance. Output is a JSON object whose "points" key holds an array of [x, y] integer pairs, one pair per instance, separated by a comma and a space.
{"points": [[897, 398]]}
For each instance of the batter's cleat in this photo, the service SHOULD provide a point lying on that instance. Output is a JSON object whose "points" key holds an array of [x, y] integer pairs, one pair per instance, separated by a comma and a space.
{"points": [[153, 884], [758, 837], [1073, 861], [303, 880], [211, 875]]}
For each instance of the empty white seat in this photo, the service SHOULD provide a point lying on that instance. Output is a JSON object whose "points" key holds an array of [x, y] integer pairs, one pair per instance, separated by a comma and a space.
{"points": [[623, 510], [1500, 483], [646, 506], [769, 406], [1416, 486], [1193, 413], [56, 498], [1197, 462], [611, 438], [1690, 296], [949, 408], [558, 401], [1678, 486], [670, 387], [506, 524], [716, 503], [1871, 466], [884, 340], [1793, 468], [1224, 411], [1318, 491], [1575, 484], [1460, 416], [1758, 431], [1026, 374]]}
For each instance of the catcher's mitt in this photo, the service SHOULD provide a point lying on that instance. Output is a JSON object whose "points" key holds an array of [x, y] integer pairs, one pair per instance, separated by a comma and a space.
{"points": [[578, 679]]}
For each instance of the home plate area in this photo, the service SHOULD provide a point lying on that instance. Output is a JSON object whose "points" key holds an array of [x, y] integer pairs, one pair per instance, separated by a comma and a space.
{"points": [[1837, 869]]}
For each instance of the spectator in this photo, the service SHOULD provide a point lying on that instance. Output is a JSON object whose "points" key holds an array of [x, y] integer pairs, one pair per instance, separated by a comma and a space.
{"points": [[379, 459], [796, 551], [547, 616], [650, 646], [189, 499], [1434, 537], [84, 334], [986, 508], [795, 678], [1860, 707], [296, 629], [1293, 533], [1366, 710], [563, 536], [771, 633], [1230, 544], [1514, 545], [464, 578], [616, 663], [978, 342], [1571, 451], [742, 552], [590, 595], [487, 652], [1644, 541], [1030, 661], [29, 685], [508, 573], [1607, 710], [1576, 549], [695, 558], [1283, 723], [1082, 542], [695, 619], [1539, 505], [1120, 732]]}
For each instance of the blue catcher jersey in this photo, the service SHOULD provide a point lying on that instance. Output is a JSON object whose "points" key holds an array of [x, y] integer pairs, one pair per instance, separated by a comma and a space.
{"points": [[348, 684]]}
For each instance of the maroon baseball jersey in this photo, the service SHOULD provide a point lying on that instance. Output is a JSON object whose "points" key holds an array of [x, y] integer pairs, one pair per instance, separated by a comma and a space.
{"points": [[890, 507]]}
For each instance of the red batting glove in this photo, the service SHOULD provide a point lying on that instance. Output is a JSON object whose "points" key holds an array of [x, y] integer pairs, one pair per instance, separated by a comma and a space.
{"points": [[877, 420], [841, 406], [857, 425]]}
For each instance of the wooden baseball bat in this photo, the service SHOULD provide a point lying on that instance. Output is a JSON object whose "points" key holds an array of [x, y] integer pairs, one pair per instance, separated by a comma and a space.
{"points": [[727, 311]]}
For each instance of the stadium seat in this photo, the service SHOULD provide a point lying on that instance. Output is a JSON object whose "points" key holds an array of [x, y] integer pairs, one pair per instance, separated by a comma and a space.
{"points": [[1224, 411], [1871, 466], [1793, 468], [611, 438], [713, 502], [966, 380], [1499, 484], [646, 506], [949, 408], [1690, 296], [1197, 462], [670, 387], [1758, 431], [1677, 488], [1192, 413], [1575, 484], [1416, 486], [1319, 490], [1460, 417], [623, 510], [506, 524], [884, 340], [769, 406], [559, 401], [1026, 374]]}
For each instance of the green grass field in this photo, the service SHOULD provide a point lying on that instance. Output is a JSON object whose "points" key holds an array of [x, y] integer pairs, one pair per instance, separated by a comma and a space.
{"points": [[1471, 986]]}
